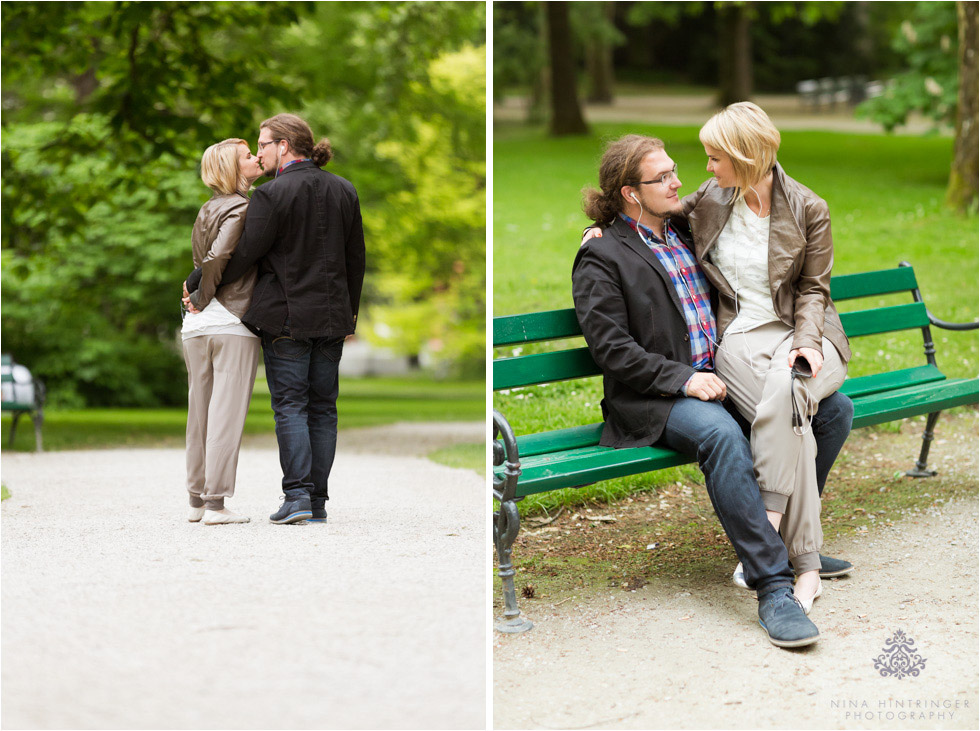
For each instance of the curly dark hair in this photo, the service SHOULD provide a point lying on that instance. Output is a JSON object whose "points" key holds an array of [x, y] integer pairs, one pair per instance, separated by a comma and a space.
{"points": [[620, 166]]}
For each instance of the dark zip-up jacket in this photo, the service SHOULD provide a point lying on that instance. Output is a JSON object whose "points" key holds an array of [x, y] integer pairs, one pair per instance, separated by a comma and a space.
{"points": [[304, 231]]}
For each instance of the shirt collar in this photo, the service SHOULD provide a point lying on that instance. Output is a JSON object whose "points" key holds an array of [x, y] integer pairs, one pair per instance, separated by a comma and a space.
{"points": [[645, 231], [293, 162]]}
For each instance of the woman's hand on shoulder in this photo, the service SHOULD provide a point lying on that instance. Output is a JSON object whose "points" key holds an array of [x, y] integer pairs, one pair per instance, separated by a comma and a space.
{"points": [[592, 232]]}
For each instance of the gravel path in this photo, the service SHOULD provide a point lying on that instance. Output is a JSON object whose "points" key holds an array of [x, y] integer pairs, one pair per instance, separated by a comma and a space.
{"points": [[117, 613], [681, 654]]}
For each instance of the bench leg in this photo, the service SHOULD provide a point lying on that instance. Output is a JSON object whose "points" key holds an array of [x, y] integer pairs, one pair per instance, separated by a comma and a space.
{"points": [[506, 525], [920, 465], [38, 420], [13, 427]]}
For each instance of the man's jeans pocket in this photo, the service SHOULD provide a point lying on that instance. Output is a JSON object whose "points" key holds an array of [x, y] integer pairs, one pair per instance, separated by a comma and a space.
{"points": [[332, 348], [286, 347]]}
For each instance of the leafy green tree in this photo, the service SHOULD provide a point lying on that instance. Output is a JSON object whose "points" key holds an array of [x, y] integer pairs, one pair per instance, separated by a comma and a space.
{"points": [[926, 42], [411, 135], [107, 108]]}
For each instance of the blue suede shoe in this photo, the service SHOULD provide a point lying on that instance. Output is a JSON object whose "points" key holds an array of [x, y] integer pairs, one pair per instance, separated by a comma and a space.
{"points": [[831, 567], [783, 619], [319, 515], [292, 511]]}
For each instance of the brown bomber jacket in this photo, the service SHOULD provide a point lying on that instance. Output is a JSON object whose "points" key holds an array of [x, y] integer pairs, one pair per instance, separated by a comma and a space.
{"points": [[801, 256], [215, 236]]}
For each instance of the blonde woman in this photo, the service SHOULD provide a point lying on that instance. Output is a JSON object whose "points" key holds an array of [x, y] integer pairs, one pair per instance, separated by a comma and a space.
{"points": [[221, 354], [764, 242]]}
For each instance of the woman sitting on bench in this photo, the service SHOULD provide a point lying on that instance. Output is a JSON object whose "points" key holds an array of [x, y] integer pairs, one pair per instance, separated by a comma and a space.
{"points": [[764, 242]]}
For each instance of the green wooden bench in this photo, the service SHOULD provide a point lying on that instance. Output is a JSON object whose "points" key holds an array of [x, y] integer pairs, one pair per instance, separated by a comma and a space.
{"points": [[572, 457], [21, 393]]}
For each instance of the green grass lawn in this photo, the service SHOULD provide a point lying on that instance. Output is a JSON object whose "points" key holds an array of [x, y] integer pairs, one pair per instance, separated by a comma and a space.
{"points": [[886, 202], [466, 456], [362, 402]]}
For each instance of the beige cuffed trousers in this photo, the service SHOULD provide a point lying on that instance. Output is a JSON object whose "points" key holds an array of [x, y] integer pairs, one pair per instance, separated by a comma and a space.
{"points": [[220, 376], [754, 366]]}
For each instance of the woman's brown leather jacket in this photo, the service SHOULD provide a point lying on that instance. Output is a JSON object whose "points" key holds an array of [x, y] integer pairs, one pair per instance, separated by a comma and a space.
{"points": [[801, 256], [216, 232]]}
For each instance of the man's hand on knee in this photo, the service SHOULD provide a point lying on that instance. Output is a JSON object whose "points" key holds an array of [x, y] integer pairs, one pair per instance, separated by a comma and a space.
{"points": [[707, 387]]}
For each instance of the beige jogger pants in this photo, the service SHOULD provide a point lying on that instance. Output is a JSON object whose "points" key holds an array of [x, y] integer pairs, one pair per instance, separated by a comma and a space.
{"points": [[220, 376], [754, 366]]}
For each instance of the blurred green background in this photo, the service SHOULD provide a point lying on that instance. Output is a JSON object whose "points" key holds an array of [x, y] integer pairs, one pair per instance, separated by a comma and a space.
{"points": [[107, 108], [663, 69]]}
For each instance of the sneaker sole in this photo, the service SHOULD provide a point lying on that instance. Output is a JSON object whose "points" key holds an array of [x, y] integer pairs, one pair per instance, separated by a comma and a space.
{"points": [[834, 574], [790, 643], [294, 517], [316, 520]]}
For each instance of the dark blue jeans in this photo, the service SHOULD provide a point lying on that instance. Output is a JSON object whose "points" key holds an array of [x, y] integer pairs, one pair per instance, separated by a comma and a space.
{"points": [[716, 437], [302, 377]]}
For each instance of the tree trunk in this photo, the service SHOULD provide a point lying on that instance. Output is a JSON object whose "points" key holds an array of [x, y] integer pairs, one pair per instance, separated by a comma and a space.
{"points": [[540, 92], [962, 191], [735, 55], [599, 63], [566, 114]]}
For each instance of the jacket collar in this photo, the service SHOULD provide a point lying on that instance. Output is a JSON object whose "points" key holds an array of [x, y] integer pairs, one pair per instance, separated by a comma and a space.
{"points": [[785, 237], [631, 239]]}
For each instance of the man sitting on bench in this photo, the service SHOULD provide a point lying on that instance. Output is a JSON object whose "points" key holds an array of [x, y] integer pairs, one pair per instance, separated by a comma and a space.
{"points": [[644, 310]]}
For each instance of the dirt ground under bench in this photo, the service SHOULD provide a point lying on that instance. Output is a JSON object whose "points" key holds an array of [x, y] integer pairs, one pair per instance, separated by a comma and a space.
{"points": [[640, 627]]}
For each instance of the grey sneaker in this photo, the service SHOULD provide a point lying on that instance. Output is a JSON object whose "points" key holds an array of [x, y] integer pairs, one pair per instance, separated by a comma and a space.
{"points": [[292, 511], [783, 619]]}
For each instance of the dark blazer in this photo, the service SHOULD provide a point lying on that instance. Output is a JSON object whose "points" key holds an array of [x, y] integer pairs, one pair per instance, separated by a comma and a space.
{"points": [[304, 231], [633, 324]]}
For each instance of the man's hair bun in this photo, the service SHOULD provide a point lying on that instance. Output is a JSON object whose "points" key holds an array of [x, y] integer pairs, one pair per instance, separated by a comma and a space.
{"points": [[322, 153]]}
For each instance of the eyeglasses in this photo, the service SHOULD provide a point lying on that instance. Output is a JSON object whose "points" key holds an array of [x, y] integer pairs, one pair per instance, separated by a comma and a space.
{"points": [[270, 142], [664, 179]]}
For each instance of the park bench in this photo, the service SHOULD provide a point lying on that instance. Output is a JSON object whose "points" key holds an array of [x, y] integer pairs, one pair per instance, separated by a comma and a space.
{"points": [[21, 394], [571, 457]]}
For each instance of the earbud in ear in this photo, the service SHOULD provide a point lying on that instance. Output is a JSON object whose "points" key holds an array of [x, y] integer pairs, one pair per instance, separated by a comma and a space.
{"points": [[633, 196]]}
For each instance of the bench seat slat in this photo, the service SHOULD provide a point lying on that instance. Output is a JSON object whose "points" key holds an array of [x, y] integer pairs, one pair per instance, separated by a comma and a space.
{"points": [[914, 401], [583, 436], [879, 382], [573, 469], [884, 319], [869, 284], [586, 462]]}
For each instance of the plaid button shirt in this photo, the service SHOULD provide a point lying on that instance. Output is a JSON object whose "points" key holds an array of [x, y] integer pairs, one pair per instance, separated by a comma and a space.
{"points": [[692, 289]]}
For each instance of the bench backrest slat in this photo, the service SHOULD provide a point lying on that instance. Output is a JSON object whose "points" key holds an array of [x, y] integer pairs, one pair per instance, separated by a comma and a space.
{"points": [[563, 365], [535, 326], [527, 370], [884, 319], [869, 284]]}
